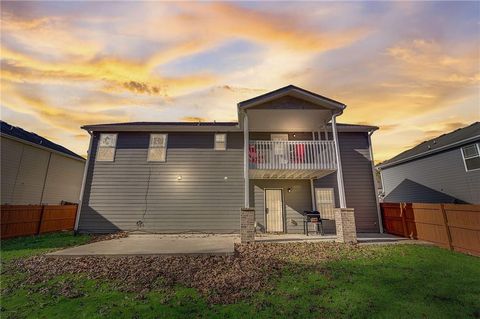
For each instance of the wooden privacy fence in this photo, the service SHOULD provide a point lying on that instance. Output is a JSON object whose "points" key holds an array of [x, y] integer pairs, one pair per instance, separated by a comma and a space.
{"points": [[25, 220], [453, 226]]}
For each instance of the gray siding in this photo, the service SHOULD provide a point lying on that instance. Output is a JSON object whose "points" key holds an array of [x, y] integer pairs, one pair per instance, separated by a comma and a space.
{"points": [[120, 194], [358, 181], [443, 172], [29, 172], [360, 190], [298, 200]]}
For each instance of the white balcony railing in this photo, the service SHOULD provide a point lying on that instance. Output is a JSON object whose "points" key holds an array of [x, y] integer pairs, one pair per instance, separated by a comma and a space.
{"points": [[292, 155]]}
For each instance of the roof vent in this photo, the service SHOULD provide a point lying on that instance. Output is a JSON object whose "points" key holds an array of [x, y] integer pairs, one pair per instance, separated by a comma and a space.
{"points": [[434, 142], [429, 147]]}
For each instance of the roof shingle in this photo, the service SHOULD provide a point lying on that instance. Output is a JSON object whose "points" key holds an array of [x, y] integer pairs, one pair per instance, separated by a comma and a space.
{"points": [[436, 144]]}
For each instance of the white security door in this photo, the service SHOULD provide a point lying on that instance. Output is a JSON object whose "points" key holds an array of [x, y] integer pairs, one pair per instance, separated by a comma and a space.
{"points": [[274, 210]]}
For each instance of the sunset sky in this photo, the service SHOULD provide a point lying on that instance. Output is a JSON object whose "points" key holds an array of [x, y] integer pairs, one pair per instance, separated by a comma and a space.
{"points": [[411, 68]]}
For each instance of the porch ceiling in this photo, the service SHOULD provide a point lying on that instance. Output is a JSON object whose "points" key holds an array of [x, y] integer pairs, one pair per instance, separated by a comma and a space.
{"points": [[287, 174]]}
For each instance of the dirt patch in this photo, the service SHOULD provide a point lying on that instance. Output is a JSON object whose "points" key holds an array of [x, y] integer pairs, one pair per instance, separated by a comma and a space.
{"points": [[221, 279], [117, 235]]}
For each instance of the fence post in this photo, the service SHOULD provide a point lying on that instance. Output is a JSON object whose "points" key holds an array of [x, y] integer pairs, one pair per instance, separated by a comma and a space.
{"points": [[447, 229], [404, 221], [42, 213]]}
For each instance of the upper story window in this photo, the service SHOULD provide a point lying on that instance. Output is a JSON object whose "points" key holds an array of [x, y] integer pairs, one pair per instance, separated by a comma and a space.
{"points": [[471, 156], [106, 147], [220, 142], [157, 149]]}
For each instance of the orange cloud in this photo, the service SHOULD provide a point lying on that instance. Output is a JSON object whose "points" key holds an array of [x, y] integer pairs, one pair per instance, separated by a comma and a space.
{"points": [[193, 119]]}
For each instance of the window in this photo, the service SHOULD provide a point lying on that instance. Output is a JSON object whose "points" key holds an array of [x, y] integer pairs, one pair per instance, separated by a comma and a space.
{"points": [[157, 150], [325, 202], [221, 142], [106, 147], [471, 157]]}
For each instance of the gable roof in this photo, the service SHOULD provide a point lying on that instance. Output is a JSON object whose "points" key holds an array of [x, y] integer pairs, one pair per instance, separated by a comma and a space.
{"points": [[292, 90], [440, 143], [32, 138]]}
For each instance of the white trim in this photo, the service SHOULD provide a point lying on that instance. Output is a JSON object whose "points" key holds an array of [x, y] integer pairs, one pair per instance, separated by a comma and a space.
{"points": [[245, 161], [284, 222], [341, 186], [164, 147], [332, 190], [319, 101], [312, 191], [84, 179], [463, 157], [387, 165], [16, 139], [99, 146], [215, 142], [375, 184]]}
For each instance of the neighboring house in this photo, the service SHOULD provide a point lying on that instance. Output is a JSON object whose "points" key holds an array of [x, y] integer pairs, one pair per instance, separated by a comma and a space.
{"points": [[285, 155], [445, 169], [37, 171]]}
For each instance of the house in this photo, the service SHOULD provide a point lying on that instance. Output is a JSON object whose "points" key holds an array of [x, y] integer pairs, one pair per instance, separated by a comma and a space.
{"points": [[445, 169], [285, 155], [37, 171]]}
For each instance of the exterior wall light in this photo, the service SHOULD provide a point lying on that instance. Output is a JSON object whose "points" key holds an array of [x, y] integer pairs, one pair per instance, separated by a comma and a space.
{"points": [[225, 178], [289, 189], [179, 177]]}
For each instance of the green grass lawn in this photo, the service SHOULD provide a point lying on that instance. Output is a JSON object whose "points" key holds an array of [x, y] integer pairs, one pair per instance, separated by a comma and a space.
{"points": [[400, 281]]}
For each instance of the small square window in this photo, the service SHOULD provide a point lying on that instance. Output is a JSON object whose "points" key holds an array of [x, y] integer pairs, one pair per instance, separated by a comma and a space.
{"points": [[471, 157], [157, 150], [220, 142], [106, 147]]}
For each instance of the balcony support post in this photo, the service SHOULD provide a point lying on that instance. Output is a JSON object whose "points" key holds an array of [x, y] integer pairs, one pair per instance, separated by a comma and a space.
{"points": [[312, 191], [245, 160], [341, 187]]}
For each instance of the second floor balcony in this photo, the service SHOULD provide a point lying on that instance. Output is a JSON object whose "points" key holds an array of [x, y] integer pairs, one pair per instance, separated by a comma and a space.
{"points": [[291, 159]]}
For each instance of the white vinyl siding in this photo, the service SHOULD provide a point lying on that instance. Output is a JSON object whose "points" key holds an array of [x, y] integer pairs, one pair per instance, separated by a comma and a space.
{"points": [[157, 149], [325, 201], [220, 142], [471, 157], [106, 147]]}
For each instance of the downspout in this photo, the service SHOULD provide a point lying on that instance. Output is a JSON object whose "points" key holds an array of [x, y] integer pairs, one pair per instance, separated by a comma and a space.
{"points": [[375, 184], [341, 186], [245, 160], [85, 170]]}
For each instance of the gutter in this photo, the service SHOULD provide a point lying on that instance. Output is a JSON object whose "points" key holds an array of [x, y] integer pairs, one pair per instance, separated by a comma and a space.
{"points": [[82, 189]]}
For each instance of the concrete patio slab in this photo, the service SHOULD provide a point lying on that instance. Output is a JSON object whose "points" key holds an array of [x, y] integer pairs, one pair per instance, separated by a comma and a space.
{"points": [[150, 244], [363, 238]]}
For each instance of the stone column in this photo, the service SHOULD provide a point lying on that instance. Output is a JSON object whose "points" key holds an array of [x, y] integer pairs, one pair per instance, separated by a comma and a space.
{"points": [[247, 225], [345, 225]]}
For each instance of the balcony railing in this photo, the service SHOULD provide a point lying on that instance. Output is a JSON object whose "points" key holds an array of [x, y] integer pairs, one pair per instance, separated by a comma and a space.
{"points": [[292, 155]]}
